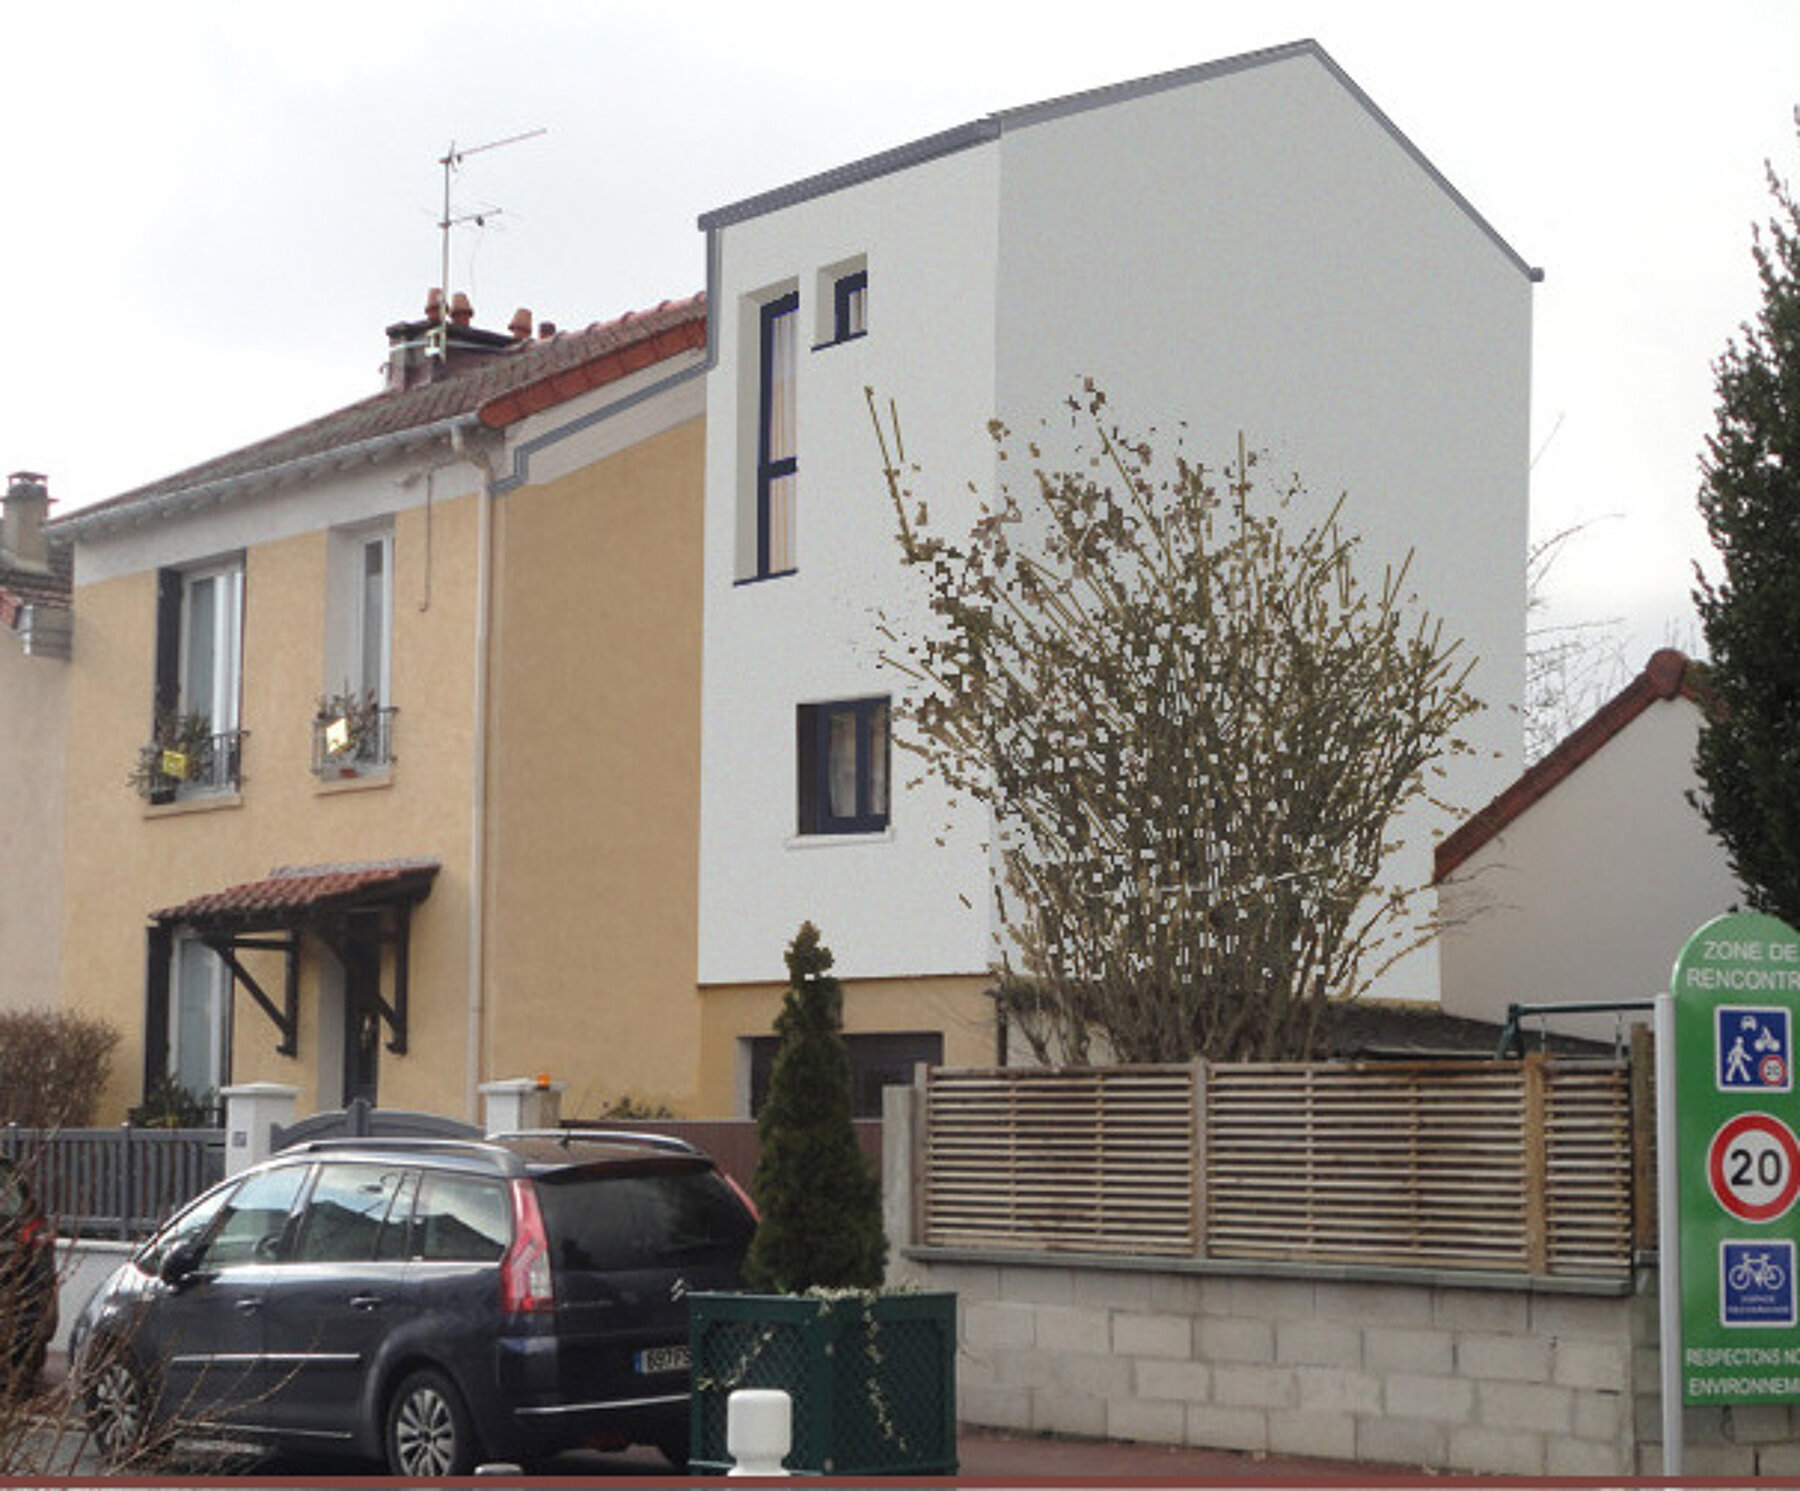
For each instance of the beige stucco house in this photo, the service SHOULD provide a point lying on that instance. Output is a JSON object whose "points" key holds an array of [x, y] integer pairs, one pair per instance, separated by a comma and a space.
{"points": [[34, 651], [1581, 881], [383, 734]]}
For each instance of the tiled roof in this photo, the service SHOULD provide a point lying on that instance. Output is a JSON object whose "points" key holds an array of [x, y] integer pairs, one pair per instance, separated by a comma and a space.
{"points": [[290, 893], [496, 388], [1667, 675]]}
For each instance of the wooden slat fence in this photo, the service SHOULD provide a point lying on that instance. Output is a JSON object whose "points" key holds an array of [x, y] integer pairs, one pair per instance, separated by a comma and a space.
{"points": [[1515, 1167], [115, 1183]]}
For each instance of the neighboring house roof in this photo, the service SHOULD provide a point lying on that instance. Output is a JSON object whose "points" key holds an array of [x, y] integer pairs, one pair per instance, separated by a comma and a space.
{"points": [[1667, 675], [981, 131], [503, 381], [296, 893]]}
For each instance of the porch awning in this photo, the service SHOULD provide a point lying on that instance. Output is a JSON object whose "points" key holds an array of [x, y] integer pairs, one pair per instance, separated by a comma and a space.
{"points": [[340, 905], [295, 896]]}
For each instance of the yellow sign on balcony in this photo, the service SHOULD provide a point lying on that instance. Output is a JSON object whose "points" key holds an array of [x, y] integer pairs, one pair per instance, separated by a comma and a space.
{"points": [[337, 736], [175, 764]]}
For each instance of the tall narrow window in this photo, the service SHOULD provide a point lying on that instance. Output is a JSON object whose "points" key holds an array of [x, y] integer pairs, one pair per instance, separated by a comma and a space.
{"points": [[373, 612], [776, 460], [843, 767], [199, 1018], [353, 726], [195, 737], [850, 296]]}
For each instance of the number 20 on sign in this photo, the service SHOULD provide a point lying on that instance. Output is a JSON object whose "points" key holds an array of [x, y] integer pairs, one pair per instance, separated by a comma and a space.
{"points": [[1736, 1007]]}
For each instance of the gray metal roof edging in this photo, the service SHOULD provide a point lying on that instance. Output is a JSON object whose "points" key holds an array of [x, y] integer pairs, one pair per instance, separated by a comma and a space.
{"points": [[885, 163], [79, 524], [991, 127]]}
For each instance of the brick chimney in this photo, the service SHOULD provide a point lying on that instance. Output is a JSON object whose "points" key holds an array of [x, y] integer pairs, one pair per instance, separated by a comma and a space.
{"points": [[23, 545]]}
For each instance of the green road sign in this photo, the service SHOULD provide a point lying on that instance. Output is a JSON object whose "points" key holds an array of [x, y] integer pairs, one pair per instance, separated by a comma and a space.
{"points": [[1737, 1011]]}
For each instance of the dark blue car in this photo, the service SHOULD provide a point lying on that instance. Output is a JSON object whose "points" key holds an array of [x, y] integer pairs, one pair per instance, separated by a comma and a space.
{"points": [[429, 1303]]}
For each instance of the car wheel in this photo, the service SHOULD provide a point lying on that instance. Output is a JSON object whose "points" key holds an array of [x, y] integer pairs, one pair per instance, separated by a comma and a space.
{"points": [[116, 1408], [428, 1429]]}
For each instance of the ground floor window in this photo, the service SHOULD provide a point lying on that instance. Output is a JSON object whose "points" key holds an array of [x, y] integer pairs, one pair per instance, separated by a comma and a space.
{"points": [[884, 1059], [199, 1018]]}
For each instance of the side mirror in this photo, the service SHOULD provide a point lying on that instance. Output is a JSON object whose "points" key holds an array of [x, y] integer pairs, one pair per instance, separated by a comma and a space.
{"points": [[181, 1260]]}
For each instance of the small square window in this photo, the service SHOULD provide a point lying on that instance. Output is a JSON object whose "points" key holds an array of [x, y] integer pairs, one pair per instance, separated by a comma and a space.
{"points": [[843, 767]]}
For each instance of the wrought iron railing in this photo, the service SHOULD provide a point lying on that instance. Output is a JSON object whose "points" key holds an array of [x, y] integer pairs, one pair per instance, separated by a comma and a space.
{"points": [[196, 766], [354, 743]]}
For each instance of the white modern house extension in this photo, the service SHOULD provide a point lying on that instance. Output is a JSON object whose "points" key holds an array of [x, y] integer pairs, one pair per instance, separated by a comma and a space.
{"points": [[1247, 246]]}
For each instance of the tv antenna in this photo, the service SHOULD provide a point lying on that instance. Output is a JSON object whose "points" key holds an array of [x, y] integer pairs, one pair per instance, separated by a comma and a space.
{"points": [[450, 160]]}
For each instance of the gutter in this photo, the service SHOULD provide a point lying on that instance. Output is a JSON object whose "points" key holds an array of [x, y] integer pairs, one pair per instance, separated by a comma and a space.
{"points": [[156, 505]]}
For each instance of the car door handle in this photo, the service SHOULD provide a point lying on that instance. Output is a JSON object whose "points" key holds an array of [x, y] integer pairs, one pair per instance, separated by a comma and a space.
{"points": [[365, 1302], [245, 1306]]}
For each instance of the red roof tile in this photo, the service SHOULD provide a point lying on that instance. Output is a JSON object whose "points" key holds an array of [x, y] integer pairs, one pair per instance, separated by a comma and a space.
{"points": [[287, 893], [499, 388], [1668, 674]]}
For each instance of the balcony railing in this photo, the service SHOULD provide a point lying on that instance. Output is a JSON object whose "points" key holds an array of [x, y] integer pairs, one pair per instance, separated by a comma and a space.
{"points": [[354, 743], [195, 765]]}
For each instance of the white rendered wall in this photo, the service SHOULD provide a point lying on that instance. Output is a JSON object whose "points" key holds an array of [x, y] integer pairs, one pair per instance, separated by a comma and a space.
{"points": [[898, 903], [1591, 892], [1258, 253]]}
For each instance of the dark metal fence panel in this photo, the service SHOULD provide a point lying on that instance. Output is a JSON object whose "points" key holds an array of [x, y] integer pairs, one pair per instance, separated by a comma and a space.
{"points": [[115, 1183]]}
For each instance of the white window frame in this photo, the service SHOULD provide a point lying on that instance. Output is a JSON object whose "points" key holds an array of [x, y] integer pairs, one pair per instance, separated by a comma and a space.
{"points": [[198, 975], [224, 648]]}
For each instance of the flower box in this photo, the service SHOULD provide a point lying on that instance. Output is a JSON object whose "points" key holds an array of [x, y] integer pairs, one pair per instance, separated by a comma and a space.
{"points": [[872, 1377]]}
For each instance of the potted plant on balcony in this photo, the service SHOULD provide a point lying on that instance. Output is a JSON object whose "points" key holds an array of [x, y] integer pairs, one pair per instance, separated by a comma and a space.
{"points": [[871, 1373], [347, 735], [180, 750]]}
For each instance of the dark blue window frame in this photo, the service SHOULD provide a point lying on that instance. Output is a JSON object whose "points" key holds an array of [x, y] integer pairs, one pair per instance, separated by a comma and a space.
{"points": [[872, 737], [846, 287], [769, 471]]}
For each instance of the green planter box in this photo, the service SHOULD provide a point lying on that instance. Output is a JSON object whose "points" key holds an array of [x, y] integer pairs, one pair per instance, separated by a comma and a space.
{"points": [[873, 1378]]}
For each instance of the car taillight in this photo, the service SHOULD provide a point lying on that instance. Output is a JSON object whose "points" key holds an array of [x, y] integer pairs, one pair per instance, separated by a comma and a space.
{"points": [[743, 1196], [525, 1282]]}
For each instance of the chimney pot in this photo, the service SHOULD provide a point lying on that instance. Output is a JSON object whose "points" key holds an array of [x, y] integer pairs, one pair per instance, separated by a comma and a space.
{"points": [[520, 325], [22, 541], [461, 312], [434, 305], [546, 330]]}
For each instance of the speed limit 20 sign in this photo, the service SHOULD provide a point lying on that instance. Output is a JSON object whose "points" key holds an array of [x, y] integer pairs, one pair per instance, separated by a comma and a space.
{"points": [[1736, 996]]}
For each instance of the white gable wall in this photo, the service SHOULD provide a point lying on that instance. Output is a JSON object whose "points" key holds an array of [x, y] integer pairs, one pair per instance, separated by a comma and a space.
{"points": [[895, 903], [1258, 253], [1251, 251], [1590, 893]]}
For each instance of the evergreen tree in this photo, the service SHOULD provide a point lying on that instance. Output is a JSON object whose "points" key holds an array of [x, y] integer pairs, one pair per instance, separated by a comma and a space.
{"points": [[1749, 756], [818, 1193]]}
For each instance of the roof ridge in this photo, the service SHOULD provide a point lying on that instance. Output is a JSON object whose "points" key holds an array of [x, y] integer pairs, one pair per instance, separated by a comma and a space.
{"points": [[1668, 674]]}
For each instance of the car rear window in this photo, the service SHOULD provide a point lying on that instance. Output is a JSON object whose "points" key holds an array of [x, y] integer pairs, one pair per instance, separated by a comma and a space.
{"points": [[605, 1220]]}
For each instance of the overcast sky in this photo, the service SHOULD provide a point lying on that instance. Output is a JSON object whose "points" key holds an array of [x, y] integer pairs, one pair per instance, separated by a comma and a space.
{"points": [[213, 210]]}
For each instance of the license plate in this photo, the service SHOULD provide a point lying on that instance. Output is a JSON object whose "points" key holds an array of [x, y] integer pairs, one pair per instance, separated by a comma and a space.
{"points": [[663, 1359]]}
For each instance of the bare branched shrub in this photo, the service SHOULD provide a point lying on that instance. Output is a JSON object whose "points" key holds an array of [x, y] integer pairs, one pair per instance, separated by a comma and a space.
{"points": [[53, 1067], [1194, 724]]}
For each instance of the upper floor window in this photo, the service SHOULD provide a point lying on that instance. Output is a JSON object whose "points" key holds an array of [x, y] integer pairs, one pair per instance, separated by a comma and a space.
{"points": [[353, 725], [850, 306], [196, 740], [843, 767], [776, 455]]}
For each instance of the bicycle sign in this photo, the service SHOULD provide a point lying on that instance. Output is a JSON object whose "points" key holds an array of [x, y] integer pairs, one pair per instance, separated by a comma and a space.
{"points": [[1753, 1167], [1756, 1283]]}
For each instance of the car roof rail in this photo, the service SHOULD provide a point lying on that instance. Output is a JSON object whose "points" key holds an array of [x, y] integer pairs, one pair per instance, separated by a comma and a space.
{"points": [[377, 1142], [565, 1136]]}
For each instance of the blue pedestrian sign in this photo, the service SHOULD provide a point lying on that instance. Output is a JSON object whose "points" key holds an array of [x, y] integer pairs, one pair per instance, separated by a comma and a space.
{"points": [[1756, 1282], [1751, 1048]]}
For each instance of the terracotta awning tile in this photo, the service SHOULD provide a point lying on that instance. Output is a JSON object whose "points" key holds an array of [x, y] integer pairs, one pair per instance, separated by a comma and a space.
{"points": [[292, 893]]}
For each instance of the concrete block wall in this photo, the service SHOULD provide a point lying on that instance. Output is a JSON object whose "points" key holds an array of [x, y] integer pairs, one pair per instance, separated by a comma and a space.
{"points": [[1496, 1381]]}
